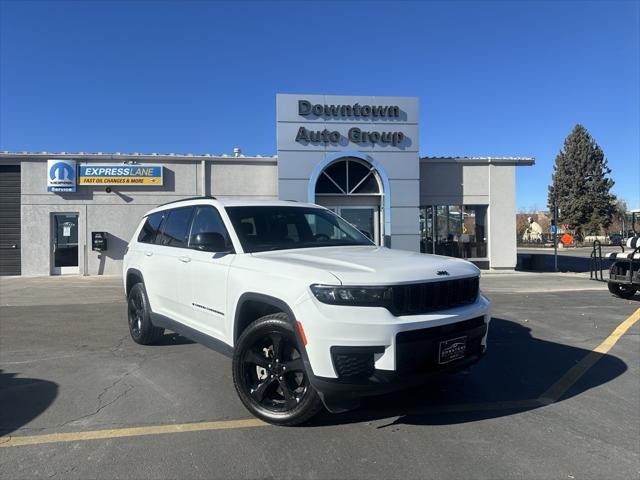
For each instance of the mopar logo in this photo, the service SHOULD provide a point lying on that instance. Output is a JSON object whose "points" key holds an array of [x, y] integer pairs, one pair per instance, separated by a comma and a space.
{"points": [[442, 273], [61, 175], [61, 171]]}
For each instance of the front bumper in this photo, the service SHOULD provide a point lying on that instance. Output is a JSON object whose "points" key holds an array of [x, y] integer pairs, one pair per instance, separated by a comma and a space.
{"points": [[340, 396], [360, 351]]}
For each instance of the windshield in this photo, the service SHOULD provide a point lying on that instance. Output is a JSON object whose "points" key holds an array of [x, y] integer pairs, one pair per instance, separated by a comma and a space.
{"points": [[262, 228]]}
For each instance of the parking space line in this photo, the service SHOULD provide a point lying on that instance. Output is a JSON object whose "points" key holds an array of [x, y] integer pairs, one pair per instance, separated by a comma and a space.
{"points": [[129, 432], [506, 291], [558, 389], [553, 394]]}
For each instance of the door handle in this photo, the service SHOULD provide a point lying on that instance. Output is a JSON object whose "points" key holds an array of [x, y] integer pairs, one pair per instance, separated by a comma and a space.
{"points": [[184, 259], [148, 254]]}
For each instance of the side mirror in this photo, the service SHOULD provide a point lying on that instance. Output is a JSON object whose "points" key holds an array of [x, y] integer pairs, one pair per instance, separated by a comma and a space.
{"points": [[209, 242]]}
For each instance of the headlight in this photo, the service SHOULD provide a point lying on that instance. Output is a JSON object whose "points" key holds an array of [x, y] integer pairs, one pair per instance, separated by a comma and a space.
{"points": [[356, 296]]}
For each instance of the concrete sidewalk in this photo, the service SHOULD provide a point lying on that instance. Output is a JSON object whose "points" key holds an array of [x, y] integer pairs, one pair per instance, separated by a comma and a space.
{"points": [[60, 290], [79, 290]]}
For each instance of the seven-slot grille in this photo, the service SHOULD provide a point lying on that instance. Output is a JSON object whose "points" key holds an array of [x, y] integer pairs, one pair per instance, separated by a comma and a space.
{"points": [[418, 298]]}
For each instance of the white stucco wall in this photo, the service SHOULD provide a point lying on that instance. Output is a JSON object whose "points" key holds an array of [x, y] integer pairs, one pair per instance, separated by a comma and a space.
{"points": [[502, 215]]}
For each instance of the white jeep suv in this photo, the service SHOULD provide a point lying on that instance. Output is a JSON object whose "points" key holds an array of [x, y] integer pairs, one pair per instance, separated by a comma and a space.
{"points": [[310, 310]]}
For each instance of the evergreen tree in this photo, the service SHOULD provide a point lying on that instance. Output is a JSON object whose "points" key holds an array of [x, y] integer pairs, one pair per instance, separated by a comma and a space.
{"points": [[580, 187]]}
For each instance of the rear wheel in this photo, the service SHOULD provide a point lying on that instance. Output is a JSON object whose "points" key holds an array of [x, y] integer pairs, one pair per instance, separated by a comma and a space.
{"points": [[622, 291], [139, 317], [269, 373]]}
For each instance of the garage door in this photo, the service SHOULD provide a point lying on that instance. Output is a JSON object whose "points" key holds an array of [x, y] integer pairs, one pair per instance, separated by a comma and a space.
{"points": [[9, 219]]}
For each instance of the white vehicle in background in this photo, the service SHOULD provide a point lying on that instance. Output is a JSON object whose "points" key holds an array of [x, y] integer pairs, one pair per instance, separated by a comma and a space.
{"points": [[624, 272], [311, 311]]}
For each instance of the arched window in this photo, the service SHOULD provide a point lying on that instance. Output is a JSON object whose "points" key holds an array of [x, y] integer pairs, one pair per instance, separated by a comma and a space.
{"points": [[348, 176]]}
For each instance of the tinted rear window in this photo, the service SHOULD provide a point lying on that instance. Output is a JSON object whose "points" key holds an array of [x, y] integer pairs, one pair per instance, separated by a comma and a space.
{"points": [[150, 228], [176, 228]]}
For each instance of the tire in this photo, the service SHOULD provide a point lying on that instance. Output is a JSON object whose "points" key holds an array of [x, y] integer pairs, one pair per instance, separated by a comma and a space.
{"points": [[269, 373], [622, 291], [139, 317]]}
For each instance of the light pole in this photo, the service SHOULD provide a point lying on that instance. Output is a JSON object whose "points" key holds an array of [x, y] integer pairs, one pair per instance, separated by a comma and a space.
{"points": [[554, 224]]}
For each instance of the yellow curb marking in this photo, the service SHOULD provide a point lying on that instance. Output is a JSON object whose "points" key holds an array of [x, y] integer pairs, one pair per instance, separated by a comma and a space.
{"points": [[558, 389], [128, 432], [553, 394]]}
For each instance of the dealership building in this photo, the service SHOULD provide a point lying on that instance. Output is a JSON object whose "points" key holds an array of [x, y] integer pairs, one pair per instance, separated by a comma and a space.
{"points": [[74, 213]]}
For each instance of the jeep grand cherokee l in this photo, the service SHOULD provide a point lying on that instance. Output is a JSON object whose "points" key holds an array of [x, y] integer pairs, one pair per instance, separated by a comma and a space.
{"points": [[312, 312]]}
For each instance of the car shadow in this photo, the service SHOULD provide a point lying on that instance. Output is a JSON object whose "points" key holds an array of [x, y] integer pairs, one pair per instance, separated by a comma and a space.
{"points": [[544, 262], [173, 339], [517, 369], [635, 298], [22, 400]]}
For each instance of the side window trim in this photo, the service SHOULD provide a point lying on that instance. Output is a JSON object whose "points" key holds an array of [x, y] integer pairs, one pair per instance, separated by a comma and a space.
{"points": [[160, 229], [160, 232]]}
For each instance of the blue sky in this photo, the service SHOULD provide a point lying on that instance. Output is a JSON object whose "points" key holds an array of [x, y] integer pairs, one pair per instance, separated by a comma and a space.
{"points": [[494, 78]]}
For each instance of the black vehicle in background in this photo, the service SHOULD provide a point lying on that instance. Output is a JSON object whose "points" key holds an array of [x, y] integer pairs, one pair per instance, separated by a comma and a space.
{"points": [[616, 239]]}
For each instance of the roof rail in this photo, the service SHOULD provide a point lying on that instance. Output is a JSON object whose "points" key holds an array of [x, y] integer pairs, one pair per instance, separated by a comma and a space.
{"points": [[202, 197]]}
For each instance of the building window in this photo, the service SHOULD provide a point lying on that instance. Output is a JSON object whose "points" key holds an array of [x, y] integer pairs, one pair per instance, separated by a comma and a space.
{"points": [[454, 230], [348, 176]]}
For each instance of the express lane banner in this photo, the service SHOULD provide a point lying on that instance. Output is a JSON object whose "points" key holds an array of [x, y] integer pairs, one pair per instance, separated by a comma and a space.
{"points": [[147, 175]]}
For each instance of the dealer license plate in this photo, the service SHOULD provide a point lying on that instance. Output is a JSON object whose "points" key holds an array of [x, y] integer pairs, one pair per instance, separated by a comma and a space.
{"points": [[451, 350]]}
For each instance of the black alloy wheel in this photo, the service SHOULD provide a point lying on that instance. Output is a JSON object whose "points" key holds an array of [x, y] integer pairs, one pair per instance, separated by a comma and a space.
{"points": [[274, 372], [136, 314], [139, 317], [269, 373]]}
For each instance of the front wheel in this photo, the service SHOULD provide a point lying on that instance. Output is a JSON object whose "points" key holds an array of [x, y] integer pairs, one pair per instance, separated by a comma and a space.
{"points": [[622, 291], [269, 373]]}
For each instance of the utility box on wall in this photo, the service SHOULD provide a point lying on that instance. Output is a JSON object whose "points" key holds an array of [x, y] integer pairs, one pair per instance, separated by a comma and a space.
{"points": [[99, 241]]}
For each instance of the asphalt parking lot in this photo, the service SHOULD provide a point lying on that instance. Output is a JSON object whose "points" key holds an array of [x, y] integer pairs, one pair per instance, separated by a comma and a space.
{"points": [[79, 399]]}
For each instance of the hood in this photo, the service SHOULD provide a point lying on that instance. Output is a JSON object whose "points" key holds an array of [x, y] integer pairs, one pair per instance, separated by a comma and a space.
{"points": [[370, 265]]}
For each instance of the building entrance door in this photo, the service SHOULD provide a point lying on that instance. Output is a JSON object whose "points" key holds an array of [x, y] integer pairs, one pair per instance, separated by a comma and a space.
{"points": [[365, 219], [352, 188], [64, 243]]}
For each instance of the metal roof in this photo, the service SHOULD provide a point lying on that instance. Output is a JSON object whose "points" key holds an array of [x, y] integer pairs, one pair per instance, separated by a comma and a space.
{"points": [[134, 155], [481, 160]]}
